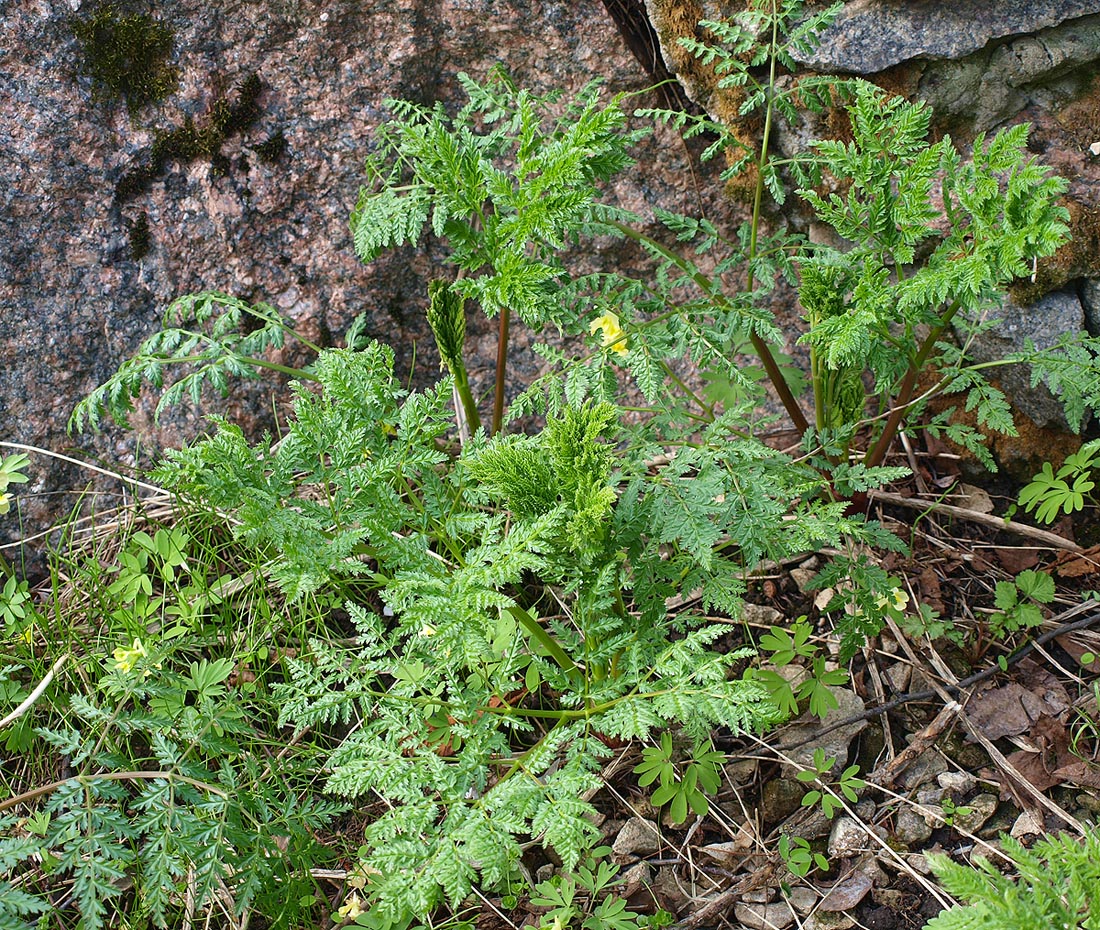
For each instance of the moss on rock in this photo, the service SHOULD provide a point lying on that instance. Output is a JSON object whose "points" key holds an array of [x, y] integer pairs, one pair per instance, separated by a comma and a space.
{"points": [[127, 55], [196, 139]]}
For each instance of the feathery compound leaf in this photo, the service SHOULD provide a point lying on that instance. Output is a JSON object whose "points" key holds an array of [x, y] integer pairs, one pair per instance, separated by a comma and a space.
{"points": [[210, 357], [386, 218]]}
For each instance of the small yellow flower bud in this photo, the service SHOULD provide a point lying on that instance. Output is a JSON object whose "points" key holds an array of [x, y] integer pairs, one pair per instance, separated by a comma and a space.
{"points": [[611, 332], [352, 908], [126, 659]]}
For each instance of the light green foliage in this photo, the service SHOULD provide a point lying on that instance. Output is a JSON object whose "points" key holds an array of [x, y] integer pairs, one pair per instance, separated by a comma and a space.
{"points": [[951, 810], [813, 691], [11, 472], [865, 595], [825, 795], [1056, 884], [1018, 603], [146, 781], [927, 622], [221, 348], [991, 216], [356, 492], [800, 857], [503, 182], [1052, 493], [163, 793], [447, 318], [765, 36], [510, 601], [585, 900], [16, 607], [700, 776]]}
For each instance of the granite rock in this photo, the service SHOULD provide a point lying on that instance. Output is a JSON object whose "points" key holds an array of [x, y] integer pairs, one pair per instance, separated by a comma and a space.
{"points": [[1041, 323], [240, 171], [240, 176], [872, 35]]}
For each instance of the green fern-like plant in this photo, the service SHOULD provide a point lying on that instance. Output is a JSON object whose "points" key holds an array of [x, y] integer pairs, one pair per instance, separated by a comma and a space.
{"points": [[888, 312], [1056, 884], [504, 183], [221, 348], [160, 806], [524, 586]]}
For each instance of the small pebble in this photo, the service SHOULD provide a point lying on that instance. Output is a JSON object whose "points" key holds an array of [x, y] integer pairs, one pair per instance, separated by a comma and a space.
{"points": [[774, 916], [638, 837], [803, 899], [977, 811], [956, 781], [847, 838], [1027, 824]]}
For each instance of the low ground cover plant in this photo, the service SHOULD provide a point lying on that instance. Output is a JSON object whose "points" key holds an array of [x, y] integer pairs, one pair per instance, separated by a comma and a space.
{"points": [[1054, 885], [484, 614]]}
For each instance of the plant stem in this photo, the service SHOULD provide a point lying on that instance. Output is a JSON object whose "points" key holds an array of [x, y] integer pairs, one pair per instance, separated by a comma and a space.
{"points": [[502, 363], [771, 366], [109, 776], [544, 639], [908, 386], [274, 366], [462, 385]]}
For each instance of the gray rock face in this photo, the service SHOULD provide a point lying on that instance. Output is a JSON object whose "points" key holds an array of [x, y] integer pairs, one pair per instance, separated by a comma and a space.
{"points": [[240, 174], [872, 35], [1090, 300], [1040, 323], [242, 179], [998, 81]]}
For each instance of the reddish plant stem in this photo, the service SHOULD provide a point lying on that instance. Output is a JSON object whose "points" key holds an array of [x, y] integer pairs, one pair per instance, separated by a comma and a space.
{"points": [[502, 364], [908, 386]]}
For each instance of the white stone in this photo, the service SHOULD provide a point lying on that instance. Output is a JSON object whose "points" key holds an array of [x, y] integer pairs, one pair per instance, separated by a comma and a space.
{"points": [[774, 916], [847, 838]]}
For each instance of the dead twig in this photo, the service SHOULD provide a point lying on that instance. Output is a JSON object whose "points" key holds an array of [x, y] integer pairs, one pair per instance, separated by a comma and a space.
{"points": [[723, 900], [973, 516], [885, 775], [960, 686]]}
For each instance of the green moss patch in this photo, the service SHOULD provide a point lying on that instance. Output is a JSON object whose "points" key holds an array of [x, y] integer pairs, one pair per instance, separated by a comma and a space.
{"points": [[196, 139], [127, 55]]}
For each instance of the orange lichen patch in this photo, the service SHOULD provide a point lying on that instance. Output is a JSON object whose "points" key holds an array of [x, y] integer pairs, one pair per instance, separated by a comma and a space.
{"points": [[674, 20], [1019, 456]]}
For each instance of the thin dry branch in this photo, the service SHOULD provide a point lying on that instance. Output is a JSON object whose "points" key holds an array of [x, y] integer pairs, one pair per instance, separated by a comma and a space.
{"points": [[973, 516]]}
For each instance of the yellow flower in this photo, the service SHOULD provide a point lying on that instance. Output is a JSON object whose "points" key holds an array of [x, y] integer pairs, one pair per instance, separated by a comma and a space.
{"points": [[126, 659], [5, 503], [352, 908], [612, 333], [900, 600], [427, 630]]}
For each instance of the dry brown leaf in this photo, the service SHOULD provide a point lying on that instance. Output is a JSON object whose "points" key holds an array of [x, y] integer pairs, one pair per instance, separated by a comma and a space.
{"points": [[928, 583], [1079, 772], [1045, 686], [973, 498], [1077, 650], [1007, 710], [1054, 764], [1017, 559], [1078, 564]]}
